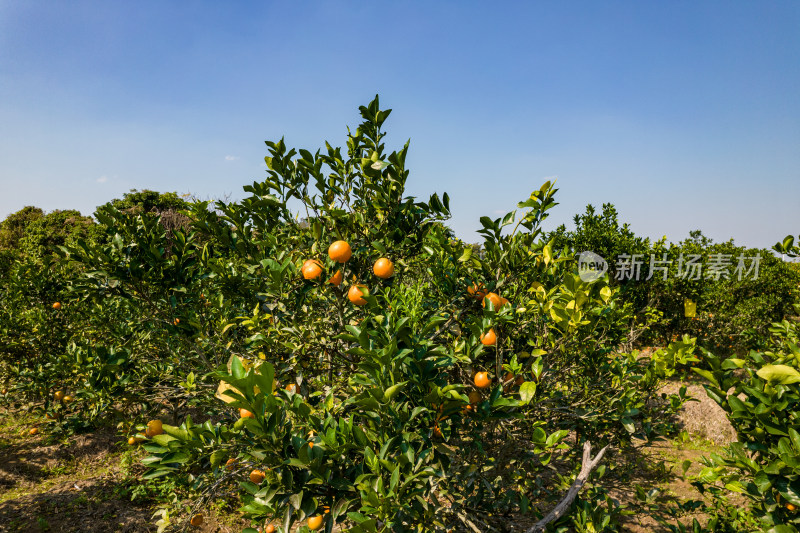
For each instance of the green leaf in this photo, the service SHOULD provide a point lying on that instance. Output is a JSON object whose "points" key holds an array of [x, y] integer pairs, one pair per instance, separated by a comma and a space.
{"points": [[178, 433], [163, 439], [527, 391], [781, 528], [627, 423], [605, 294], [296, 499], [237, 370], [782, 374], [216, 457], [547, 252], [265, 378], [392, 391], [708, 375]]}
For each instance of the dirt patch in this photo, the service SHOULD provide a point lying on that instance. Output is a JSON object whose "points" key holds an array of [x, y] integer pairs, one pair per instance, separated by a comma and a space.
{"points": [[80, 484], [89, 506], [703, 419]]}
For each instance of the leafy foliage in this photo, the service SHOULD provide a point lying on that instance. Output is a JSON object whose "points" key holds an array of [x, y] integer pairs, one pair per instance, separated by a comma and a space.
{"points": [[367, 415]]}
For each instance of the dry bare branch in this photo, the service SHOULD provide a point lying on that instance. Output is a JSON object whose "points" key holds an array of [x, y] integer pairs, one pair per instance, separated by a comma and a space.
{"points": [[587, 465]]}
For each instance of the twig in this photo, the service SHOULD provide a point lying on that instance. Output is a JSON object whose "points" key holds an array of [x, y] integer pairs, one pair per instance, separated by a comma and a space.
{"points": [[587, 465]]}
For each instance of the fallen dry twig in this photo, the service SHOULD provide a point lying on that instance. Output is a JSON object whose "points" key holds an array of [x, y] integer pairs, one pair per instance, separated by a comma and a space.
{"points": [[587, 465]]}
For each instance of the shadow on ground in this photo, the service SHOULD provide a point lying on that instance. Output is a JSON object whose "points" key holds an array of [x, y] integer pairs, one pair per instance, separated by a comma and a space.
{"points": [[91, 507]]}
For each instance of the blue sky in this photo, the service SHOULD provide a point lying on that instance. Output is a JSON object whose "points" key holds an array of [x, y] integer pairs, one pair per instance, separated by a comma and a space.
{"points": [[685, 115]]}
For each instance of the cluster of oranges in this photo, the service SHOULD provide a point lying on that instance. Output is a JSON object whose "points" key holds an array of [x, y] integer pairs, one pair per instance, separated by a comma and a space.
{"points": [[481, 380], [479, 292], [340, 252], [474, 398], [257, 477], [59, 397], [154, 427], [488, 338]]}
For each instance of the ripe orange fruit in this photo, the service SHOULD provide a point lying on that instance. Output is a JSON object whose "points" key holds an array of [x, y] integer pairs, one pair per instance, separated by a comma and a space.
{"points": [[437, 432], [791, 507], [291, 387], [57, 306], [230, 463], [489, 338], [196, 520], [154, 428], [315, 522], [474, 397], [336, 279], [340, 252], [67, 398], [383, 268], [493, 297], [176, 322], [311, 269], [133, 441], [477, 291], [33, 431], [244, 413], [257, 476], [310, 444], [269, 529], [482, 380], [356, 294], [58, 396]]}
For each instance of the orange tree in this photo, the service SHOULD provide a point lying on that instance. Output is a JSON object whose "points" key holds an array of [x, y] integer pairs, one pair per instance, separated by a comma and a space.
{"points": [[37, 319], [759, 393], [428, 395], [146, 303], [117, 315]]}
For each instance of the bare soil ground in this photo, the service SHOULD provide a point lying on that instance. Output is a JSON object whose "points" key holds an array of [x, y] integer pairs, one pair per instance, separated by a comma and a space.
{"points": [[707, 430], [83, 483], [79, 484]]}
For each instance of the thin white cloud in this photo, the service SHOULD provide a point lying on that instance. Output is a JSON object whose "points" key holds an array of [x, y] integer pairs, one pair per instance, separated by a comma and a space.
{"points": [[231, 158], [102, 179]]}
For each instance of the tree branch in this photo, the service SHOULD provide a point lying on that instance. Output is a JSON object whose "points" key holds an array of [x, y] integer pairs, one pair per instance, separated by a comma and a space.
{"points": [[588, 464]]}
